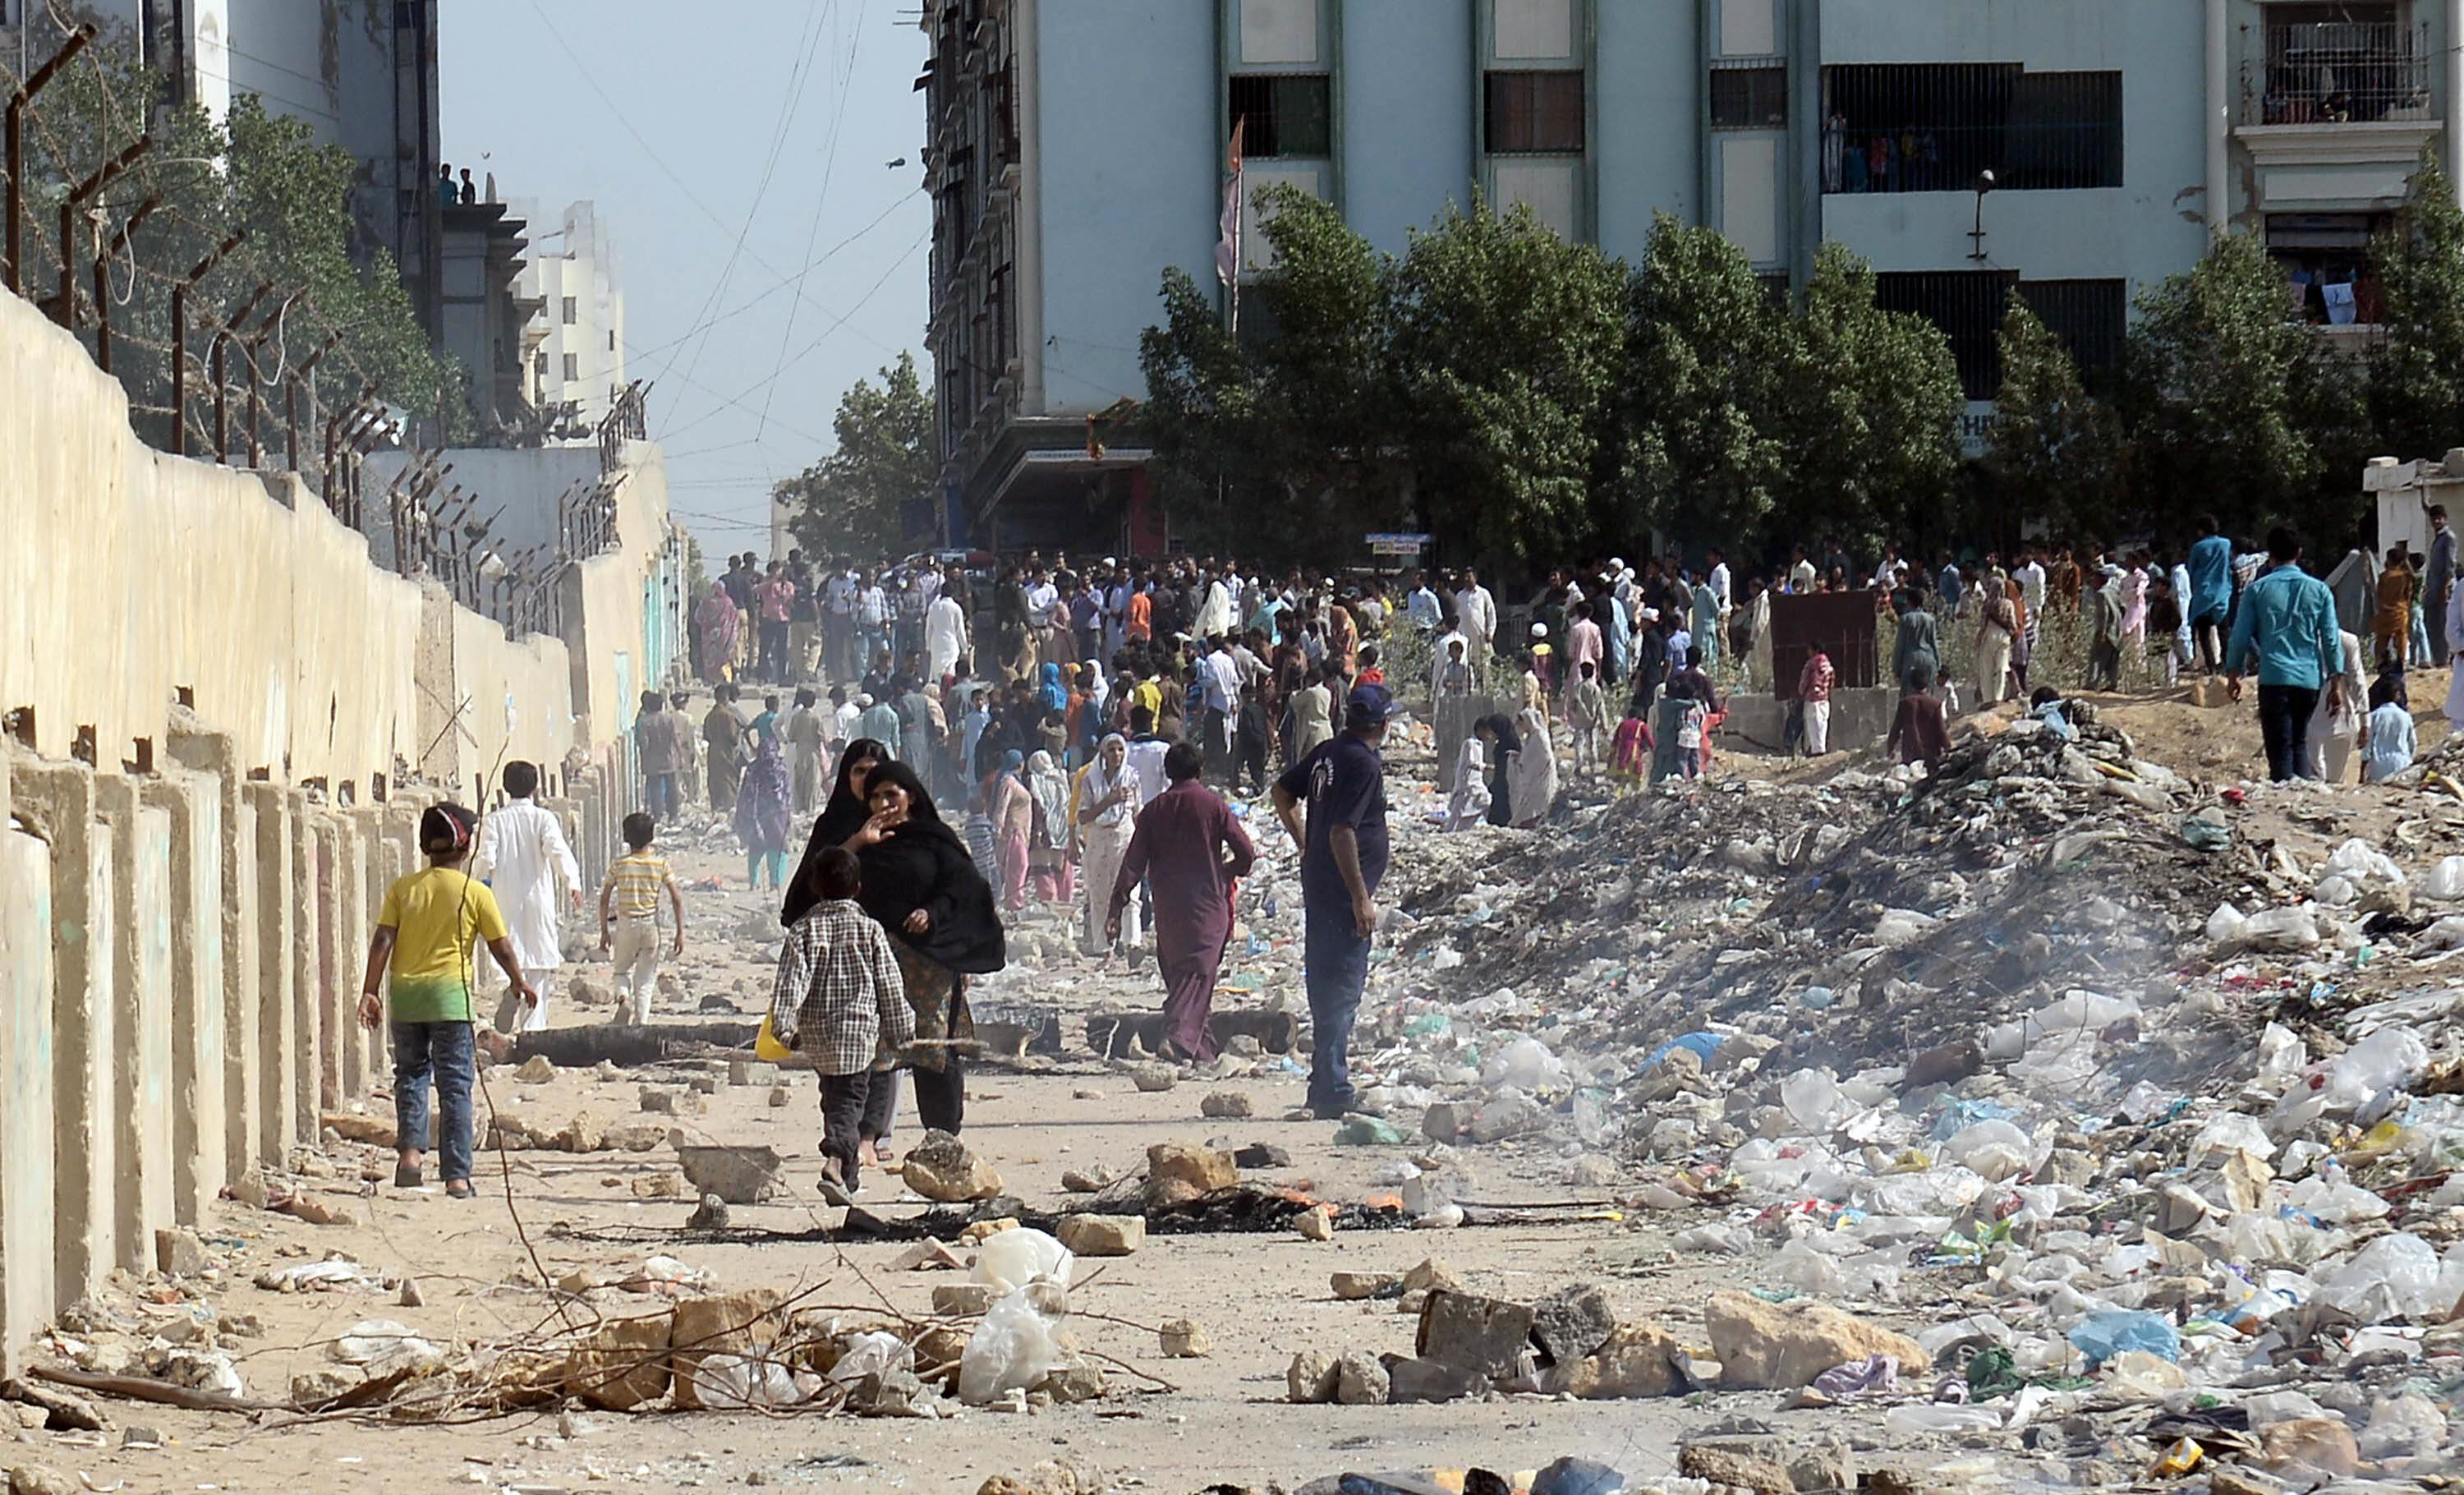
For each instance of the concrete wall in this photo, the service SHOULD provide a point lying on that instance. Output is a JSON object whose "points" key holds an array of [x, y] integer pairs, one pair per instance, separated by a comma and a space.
{"points": [[182, 919]]}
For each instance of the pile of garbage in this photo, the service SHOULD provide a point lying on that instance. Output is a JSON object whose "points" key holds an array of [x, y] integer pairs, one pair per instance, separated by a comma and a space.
{"points": [[2149, 1131]]}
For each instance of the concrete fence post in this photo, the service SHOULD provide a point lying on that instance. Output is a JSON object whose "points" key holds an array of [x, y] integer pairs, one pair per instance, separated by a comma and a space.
{"points": [[140, 1055], [58, 798], [275, 1023], [29, 1213], [191, 805], [235, 849]]}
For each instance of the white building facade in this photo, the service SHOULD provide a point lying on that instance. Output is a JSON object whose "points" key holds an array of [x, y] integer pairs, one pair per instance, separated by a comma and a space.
{"points": [[577, 352]]}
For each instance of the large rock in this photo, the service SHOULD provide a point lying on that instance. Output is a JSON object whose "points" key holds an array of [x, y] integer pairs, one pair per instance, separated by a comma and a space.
{"points": [[735, 1323], [1224, 1106], [1779, 1346], [1179, 1171], [623, 1363], [1360, 1379], [1635, 1361], [942, 1169], [1735, 1471], [1102, 1235], [352, 1126], [178, 1252], [1487, 1336], [586, 1132], [1311, 1378], [1414, 1379], [1572, 1323]]}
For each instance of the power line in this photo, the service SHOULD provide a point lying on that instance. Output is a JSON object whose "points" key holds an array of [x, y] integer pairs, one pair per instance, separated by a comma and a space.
{"points": [[812, 232]]}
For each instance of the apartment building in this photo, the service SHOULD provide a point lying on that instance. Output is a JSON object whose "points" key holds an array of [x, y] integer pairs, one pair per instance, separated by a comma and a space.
{"points": [[2074, 151], [576, 344]]}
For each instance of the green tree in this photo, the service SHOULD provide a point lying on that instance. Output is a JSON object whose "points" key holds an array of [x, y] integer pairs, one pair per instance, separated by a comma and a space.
{"points": [[2222, 388], [848, 502], [2417, 374], [1507, 345], [1870, 415], [1285, 438], [2056, 449], [257, 172], [1697, 412]]}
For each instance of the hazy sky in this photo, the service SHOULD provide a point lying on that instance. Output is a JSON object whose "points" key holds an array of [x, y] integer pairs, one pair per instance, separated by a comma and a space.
{"points": [[737, 151]]}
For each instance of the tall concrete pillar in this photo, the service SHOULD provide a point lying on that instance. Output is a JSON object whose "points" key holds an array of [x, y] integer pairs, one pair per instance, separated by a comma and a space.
{"points": [[333, 1020], [276, 1022], [141, 1054], [191, 807], [2219, 120], [29, 1212], [307, 971], [211, 753], [58, 798], [374, 864]]}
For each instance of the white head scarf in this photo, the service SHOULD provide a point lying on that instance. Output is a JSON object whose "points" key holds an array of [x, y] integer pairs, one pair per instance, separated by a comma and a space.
{"points": [[1101, 782]]}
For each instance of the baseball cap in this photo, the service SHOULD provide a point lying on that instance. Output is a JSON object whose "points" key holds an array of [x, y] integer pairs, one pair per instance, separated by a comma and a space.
{"points": [[1369, 705]]}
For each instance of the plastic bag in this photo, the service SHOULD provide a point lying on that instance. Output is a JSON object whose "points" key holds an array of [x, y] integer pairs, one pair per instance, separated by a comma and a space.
{"points": [[1012, 1259], [875, 1354], [1916, 1420], [2364, 866], [734, 1382], [2394, 1277], [1015, 1346], [2145, 1376], [2409, 1426], [1527, 1065], [2281, 929], [2446, 881], [2227, 925], [1992, 1150], [1897, 927], [1813, 1100], [2100, 1336], [2231, 1133], [766, 1045]]}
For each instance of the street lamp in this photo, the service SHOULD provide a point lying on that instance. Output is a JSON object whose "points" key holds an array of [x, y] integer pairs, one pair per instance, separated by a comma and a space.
{"points": [[1976, 235]]}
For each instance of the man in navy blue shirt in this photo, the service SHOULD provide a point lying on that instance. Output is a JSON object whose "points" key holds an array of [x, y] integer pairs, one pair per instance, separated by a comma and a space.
{"points": [[1343, 855]]}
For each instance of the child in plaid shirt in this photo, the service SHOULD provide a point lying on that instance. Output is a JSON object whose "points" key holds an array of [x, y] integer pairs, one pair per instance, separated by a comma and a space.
{"points": [[840, 1004]]}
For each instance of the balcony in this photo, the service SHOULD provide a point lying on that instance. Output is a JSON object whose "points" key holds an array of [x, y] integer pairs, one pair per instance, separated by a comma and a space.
{"points": [[2335, 113]]}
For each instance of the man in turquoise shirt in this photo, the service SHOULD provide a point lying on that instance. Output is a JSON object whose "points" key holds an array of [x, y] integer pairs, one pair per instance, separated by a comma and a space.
{"points": [[2288, 619]]}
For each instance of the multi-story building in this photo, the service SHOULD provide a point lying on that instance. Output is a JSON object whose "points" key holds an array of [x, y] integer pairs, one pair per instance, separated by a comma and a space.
{"points": [[1077, 147], [361, 73], [577, 343]]}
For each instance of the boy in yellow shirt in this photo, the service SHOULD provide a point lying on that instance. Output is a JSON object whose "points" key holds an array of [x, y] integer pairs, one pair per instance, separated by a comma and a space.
{"points": [[425, 933]]}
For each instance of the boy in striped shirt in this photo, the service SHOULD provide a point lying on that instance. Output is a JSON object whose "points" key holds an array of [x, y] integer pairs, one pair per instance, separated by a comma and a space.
{"points": [[628, 918]]}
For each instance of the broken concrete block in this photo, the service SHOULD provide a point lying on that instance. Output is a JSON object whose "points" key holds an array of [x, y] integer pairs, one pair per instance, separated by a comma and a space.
{"points": [[1635, 1361], [1184, 1339], [1260, 1154], [1445, 1121], [1154, 1079], [583, 1133], [1572, 1323], [1311, 1378], [1224, 1106], [1102, 1235], [1071, 1384], [1483, 1334], [735, 1323], [737, 1174], [942, 1169], [781, 1095], [1315, 1224], [536, 1070], [352, 1126], [1353, 1287], [961, 1299], [1179, 1172], [1088, 1180], [674, 1103], [752, 1071], [1361, 1380], [1416, 1378], [1779, 1346], [1735, 1471], [623, 1363], [178, 1252]]}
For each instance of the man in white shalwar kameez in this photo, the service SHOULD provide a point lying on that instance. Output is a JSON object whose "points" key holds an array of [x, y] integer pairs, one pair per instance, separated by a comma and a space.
{"points": [[945, 633], [524, 859]]}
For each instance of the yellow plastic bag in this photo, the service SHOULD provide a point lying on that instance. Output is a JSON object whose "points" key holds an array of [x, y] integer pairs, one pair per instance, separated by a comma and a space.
{"points": [[766, 1045]]}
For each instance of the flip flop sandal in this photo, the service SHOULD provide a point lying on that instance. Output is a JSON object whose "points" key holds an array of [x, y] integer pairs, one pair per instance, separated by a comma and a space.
{"points": [[406, 1176], [466, 1192]]}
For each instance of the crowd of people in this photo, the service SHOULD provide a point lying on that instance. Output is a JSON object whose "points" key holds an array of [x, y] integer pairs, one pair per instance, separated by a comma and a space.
{"points": [[960, 745]]}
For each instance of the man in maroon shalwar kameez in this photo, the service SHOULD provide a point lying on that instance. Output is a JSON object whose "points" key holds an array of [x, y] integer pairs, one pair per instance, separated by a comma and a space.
{"points": [[1191, 850]]}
